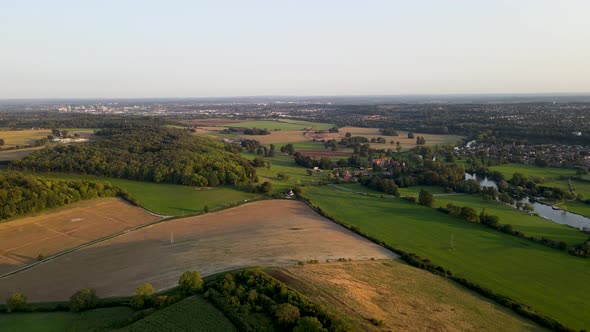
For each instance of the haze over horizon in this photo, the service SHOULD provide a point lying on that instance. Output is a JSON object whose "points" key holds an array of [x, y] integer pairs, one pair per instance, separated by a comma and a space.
{"points": [[147, 49]]}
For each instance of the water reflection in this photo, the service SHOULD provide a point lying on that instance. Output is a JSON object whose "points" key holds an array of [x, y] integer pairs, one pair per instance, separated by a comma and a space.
{"points": [[543, 210]]}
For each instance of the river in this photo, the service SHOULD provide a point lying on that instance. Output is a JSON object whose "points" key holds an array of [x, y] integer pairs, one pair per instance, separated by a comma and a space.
{"points": [[543, 210]]}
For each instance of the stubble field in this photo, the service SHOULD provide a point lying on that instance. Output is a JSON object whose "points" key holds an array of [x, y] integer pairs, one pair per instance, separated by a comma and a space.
{"points": [[400, 297], [268, 233]]}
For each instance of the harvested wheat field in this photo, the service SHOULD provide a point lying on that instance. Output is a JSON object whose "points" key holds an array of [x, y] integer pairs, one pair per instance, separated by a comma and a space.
{"points": [[325, 153], [24, 239], [268, 233], [392, 296], [402, 138]]}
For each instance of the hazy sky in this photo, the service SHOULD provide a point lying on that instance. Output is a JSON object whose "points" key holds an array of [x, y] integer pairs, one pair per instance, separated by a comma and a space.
{"points": [[120, 48]]}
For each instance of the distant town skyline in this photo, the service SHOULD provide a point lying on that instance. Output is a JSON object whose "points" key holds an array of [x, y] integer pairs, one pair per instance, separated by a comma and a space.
{"points": [[183, 49]]}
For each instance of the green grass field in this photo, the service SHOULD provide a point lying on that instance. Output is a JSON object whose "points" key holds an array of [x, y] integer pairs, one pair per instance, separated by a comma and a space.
{"points": [[169, 199], [281, 125], [553, 282], [93, 320], [549, 173], [576, 207], [190, 314], [520, 220], [282, 163]]}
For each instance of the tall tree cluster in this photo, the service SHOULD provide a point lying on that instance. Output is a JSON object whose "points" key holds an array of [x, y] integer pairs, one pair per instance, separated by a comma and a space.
{"points": [[21, 194], [156, 154]]}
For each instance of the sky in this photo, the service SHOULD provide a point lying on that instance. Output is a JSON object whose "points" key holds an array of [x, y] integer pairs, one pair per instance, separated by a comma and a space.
{"points": [[134, 49]]}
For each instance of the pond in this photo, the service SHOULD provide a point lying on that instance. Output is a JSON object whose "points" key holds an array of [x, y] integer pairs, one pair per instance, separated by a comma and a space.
{"points": [[546, 211]]}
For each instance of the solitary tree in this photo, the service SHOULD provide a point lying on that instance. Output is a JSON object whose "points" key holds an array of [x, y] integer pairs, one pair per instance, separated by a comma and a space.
{"points": [[190, 283], [143, 294], [16, 302], [83, 299], [1, 141], [425, 198], [410, 135]]}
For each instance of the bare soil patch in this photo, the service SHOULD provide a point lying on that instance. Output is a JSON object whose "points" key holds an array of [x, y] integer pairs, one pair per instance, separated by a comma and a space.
{"points": [[268, 233], [22, 240], [403, 298]]}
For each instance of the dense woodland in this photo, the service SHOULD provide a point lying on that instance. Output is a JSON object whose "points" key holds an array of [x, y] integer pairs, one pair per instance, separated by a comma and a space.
{"points": [[161, 155], [21, 194], [52, 119]]}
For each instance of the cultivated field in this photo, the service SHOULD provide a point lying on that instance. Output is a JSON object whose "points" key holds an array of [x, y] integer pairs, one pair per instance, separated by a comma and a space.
{"points": [[190, 314], [268, 233], [536, 275], [22, 240], [13, 138], [404, 298]]}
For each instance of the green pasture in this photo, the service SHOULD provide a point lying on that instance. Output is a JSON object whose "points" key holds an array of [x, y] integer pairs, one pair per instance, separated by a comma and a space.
{"points": [[169, 199], [548, 173], [553, 282]]}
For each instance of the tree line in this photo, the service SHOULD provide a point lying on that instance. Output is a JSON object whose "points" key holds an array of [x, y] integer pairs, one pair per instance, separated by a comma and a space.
{"points": [[22, 194]]}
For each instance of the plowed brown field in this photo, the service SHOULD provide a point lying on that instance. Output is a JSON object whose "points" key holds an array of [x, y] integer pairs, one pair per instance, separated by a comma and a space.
{"points": [[22, 240]]}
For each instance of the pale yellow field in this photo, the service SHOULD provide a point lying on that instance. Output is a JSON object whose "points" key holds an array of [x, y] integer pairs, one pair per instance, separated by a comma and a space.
{"points": [[402, 297], [13, 138]]}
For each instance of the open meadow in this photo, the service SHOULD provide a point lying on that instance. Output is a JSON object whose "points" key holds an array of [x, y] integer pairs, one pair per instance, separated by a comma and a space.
{"points": [[548, 173], [266, 233], [401, 297], [541, 277], [24, 239], [169, 199], [521, 221]]}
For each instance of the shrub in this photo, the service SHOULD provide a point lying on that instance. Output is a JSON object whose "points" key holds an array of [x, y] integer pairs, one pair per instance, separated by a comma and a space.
{"points": [[16, 302], [190, 283], [286, 314], [309, 324], [143, 296], [83, 299]]}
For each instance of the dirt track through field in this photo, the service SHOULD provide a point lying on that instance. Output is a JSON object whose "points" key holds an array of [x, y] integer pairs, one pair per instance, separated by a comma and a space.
{"points": [[269, 233]]}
